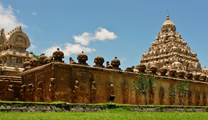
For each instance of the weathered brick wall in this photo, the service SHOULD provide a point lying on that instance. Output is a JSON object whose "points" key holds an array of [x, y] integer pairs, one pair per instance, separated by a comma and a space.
{"points": [[85, 84]]}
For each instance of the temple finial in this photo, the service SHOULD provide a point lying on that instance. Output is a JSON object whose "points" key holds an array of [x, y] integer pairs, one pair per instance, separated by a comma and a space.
{"points": [[167, 15], [167, 18]]}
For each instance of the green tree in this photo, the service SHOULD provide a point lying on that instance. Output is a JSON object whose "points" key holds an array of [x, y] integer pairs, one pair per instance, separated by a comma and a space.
{"points": [[181, 89], [143, 84], [36, 56]]}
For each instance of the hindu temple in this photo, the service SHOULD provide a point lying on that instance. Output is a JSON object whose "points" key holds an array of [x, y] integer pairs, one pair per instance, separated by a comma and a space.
{"points": [[47, 79]]}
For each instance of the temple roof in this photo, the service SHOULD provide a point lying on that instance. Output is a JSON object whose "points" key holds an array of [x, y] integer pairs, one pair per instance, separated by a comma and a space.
{"points": [[168, 21], [171, 51]]}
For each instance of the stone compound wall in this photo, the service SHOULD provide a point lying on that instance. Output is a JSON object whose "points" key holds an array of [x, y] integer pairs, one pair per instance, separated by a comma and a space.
{"points": [[84, 84]]}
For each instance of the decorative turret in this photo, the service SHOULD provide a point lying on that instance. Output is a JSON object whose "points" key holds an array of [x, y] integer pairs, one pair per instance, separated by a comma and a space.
{"points": [[168, 26], [34, 62], [153, 69], [47, 60], [58, 55], [82, 58], [129, 69], [41, 59], [115, 63], [26, 65], [108, 66], [99, 61], [141, 67], [72, 61]]}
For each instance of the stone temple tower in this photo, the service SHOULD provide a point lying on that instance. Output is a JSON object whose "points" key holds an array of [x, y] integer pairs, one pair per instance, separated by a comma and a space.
{"points": [[170, 52], [13, 51]]}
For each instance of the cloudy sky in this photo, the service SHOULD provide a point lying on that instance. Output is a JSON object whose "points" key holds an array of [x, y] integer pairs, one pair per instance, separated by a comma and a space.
{"points": [[108, 28]]}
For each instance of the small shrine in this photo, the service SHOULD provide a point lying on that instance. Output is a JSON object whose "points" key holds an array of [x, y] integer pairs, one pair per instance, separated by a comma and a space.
{"points": [[13, 51]]}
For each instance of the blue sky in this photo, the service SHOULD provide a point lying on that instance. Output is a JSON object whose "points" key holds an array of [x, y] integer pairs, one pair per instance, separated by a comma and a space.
{"points": [[108, 28]]}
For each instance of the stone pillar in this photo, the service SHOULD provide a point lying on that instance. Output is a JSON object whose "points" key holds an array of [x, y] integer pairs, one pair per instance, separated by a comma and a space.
{"points": [[13, 60], [23, 60]]}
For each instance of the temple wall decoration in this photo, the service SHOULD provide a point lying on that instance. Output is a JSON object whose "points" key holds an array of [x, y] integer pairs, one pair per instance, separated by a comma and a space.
{"points": [[85, 84]]}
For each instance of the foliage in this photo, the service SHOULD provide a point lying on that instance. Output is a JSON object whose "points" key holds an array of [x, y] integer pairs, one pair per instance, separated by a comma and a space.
{"points": [[134, 67], [172, 92], [143, 84], [36, 56], [181, 89]]}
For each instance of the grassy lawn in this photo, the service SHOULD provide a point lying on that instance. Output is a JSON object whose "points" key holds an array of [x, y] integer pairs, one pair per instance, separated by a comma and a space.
{"points": [[112, 114]]}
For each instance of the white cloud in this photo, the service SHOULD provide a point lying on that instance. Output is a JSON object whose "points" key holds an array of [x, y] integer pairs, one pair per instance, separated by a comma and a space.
{"points": [[8, 20], [34, 13], [18, 11], [69, 49], [101, 34], [31, 48], [123, 59], [83, 39]]}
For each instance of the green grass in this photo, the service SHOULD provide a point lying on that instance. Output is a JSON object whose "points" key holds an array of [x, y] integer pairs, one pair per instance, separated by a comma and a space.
{"points": [[112, 114]]}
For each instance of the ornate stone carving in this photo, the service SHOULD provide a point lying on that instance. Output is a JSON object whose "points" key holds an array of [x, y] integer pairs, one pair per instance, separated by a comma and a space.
{"points": [[189, 75], [203, 77], [153, 69], [151, 96], [99, 61], [31, 91], [161, 94], [181, 73], [129, 69], [34, 62], [93, 91], [41, 59], [52, 88], [110, 91], [190, 97], [19, 41], [141, 67], [22, 92], [58, 55], [108, 66], [40, 90], [197, 98], [76, 91], [10, 92], [47, 60], [82, 58], [163, 71], [72, 61], [26, 65], [196, 76], [115, 64], [172, 72]]}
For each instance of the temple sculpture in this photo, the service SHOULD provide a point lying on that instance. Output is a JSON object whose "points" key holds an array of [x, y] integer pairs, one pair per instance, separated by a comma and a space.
{"points": [[13, 51]]}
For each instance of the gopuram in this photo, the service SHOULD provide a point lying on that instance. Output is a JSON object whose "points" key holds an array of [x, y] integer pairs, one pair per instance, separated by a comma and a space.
{"points": [[12, 56], [170, 59]]}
